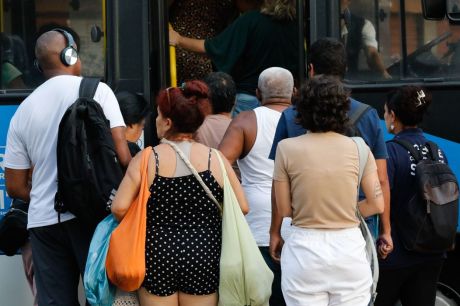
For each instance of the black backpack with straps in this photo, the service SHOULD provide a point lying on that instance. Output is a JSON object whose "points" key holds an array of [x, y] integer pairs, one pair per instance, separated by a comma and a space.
{"points": [[428, 222], [88, 169]]}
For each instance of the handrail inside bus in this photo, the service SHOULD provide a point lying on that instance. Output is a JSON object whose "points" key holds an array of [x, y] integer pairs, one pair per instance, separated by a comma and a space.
{"points": [[172, 64]]}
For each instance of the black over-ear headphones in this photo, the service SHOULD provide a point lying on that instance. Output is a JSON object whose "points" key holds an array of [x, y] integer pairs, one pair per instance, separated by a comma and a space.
{"points": [[68, 55]]}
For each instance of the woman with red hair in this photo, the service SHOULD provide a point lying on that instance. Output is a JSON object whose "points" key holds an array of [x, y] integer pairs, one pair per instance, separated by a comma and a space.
{"points": [[184, 234]]}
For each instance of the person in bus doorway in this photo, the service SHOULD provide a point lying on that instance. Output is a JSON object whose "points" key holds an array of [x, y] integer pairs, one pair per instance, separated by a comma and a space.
{"points": [[327, 56], [200, 19], [184, 226], [248, 141], [406, 275], [134, 110], [59, 249], [315, 179], [257, 40], [358, 34], [11, 77], [223, 94]]}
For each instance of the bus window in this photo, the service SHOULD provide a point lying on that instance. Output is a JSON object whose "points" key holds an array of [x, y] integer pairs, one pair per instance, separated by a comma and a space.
{"points": [[23, 21], [364, 29], [390, 40]]}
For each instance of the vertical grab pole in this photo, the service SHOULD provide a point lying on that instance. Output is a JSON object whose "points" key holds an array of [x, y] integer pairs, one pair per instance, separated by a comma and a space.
{"points": [[172, 64]]}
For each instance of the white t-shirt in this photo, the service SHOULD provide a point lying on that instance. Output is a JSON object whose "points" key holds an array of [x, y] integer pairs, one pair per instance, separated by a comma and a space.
{"points": [[32, 139], [368, 34]]}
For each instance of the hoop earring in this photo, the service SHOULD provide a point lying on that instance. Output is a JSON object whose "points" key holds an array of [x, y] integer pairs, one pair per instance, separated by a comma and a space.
{"points": [[392, 128]]}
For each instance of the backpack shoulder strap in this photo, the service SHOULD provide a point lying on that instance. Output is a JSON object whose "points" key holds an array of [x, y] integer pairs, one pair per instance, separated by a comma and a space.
{"points": [[432, 149], [359, 112], [88, 87], [409, 147]]}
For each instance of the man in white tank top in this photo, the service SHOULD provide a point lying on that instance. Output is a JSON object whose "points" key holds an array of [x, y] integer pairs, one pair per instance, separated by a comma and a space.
{"points": [[248, 141]]}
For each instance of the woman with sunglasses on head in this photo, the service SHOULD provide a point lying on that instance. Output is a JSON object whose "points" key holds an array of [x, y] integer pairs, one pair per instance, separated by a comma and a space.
{"points": [[183, 242], [405, 275]]}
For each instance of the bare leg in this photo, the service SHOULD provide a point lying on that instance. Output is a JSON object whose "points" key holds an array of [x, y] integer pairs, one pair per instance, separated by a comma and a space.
{"points": [[197, 300], [148, 299]]}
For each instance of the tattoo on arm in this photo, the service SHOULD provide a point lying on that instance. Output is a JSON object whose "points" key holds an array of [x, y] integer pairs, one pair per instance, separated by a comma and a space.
{"points": [[377, 190]]}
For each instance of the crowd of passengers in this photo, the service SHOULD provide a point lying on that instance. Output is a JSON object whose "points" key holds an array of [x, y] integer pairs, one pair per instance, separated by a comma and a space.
{"points": [[289, 160]]}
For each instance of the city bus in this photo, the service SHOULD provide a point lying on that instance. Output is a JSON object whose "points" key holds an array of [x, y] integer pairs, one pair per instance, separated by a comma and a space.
{"points": [[125, 43]]}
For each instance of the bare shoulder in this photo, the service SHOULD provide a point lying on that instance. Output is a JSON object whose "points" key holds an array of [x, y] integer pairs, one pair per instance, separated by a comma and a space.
{"points": [[243, 118]]}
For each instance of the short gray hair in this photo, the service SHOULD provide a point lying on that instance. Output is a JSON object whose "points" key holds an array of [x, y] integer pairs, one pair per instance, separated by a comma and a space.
{"points": [[276, 82]]}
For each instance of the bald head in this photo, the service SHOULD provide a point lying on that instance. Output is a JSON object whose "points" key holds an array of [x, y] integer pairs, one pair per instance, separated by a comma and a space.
{"points": [[276, 82], [48, 49]]}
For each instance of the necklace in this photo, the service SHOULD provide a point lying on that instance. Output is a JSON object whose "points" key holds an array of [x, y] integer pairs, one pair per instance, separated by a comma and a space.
{"points": [[180, 137]]}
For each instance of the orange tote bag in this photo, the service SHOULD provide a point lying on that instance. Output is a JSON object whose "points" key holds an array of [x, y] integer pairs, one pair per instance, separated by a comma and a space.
{"points": [[125, 262]]}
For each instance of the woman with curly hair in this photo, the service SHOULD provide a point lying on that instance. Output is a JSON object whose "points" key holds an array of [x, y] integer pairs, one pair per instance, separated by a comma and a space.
{"points": [[257, 40], [324, 262]]}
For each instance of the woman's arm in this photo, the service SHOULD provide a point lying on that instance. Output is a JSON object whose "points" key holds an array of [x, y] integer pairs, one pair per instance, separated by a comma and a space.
{"points": [[128, 190], [373, 203], [239, 192], [283, 198], [191, 44]]}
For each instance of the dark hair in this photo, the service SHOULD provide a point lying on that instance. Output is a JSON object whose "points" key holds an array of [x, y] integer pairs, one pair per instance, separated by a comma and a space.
{"points": [[323, 105], [328, 56], [409, 103], [186, 106], [222, 91], [133, 107]]}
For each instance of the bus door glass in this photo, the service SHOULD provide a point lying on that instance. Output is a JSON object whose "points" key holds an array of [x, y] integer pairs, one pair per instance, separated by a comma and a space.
{"points": [[23, 21]]}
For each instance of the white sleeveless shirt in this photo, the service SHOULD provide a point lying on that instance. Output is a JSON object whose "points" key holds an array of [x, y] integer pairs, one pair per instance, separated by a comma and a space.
{"points": [[257, 174]]}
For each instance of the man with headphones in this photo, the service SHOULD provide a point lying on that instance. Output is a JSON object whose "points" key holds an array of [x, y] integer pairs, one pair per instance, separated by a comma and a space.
{"points": [[59, 249]]}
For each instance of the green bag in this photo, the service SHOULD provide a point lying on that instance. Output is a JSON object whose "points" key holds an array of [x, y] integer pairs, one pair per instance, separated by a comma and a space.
{"points": [[245, 278]]}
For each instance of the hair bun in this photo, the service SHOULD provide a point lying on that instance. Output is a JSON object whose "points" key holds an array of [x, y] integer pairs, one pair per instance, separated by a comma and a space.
{"points": [[195, 88]]}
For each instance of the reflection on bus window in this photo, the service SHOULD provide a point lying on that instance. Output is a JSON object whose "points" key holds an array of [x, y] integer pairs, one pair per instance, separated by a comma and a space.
{"points": [[13, 60], [359, 35], [429, 49], [24, 21]]}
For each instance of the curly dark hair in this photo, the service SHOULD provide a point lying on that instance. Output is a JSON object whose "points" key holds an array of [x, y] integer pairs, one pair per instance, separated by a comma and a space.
{"points": [[409, 103], [323, 105]]}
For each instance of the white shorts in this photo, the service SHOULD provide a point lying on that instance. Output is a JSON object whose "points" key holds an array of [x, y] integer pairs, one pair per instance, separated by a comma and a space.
{"points": [[325, 267]]}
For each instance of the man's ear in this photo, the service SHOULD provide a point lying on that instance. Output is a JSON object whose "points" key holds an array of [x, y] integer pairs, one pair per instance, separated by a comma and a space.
{"points": [[295, 91], [258, 94]]}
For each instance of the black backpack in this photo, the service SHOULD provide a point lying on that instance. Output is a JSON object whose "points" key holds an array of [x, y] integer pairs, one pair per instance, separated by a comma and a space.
{"points": [[354, 117], [428, 223], [88, 169], [13, 228]]}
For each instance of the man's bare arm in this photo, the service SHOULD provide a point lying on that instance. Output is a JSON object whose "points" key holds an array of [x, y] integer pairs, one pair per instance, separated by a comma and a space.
{"points": [[232, 144], [375, 62], [385, 232], [18, 183]]}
